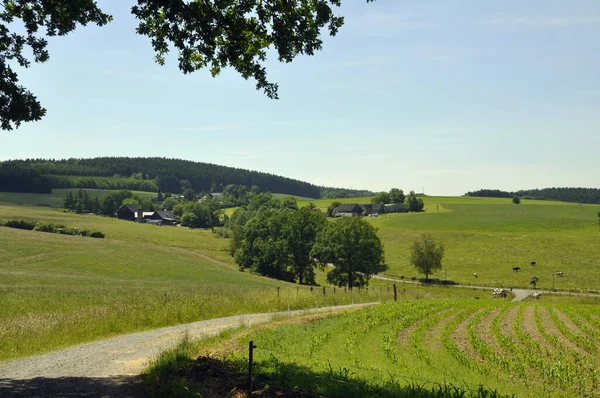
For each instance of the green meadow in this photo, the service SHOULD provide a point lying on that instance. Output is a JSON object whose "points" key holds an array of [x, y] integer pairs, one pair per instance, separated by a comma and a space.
{"points": [[55, 199], [60, 290], [490, 236]]}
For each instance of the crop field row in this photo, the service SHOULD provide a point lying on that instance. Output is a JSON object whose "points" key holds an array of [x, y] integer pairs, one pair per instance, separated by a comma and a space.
{"points": [[482, 346]]}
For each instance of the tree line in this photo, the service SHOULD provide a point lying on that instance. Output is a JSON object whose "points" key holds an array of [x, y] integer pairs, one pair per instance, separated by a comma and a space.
{"points": [[575, 195], [278, 239], [151, 175], [15, 177], [107, 205]]}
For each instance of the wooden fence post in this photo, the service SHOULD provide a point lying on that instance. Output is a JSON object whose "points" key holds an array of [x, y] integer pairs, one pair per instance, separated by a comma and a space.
{"points": [[251, 348], [278, 290], [323, 290], [395, 293]]}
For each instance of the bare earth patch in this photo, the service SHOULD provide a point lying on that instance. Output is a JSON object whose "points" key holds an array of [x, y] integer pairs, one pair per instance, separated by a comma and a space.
{"points": [[507, 324], [529, 327], [405, 334], [552, 329], [485, 332], [432, 336], [461, 338], [568, 322]]}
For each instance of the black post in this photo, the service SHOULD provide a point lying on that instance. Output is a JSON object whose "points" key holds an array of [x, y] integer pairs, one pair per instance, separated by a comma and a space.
{"points": [[334, 290], [311, 288], [395, 293], [251, 348], [278, 290], [323, 290]]}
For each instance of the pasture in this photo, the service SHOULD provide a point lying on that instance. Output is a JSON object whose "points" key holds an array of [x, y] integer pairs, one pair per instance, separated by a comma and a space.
{"points": [[415, 348], [490, 236], [55, 199], [59, 290]]}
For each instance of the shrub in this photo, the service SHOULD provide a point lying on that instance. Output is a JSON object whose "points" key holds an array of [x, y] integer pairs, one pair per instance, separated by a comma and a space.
{"points": [[20, 224], [68, 231], [96, 234], [44, 226]]}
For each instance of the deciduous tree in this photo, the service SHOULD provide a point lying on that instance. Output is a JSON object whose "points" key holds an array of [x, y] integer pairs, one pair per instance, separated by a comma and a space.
{"points": [[397, 196], [205, 34], [426, 255], [352, 247], [382, 198], [414, 203]]}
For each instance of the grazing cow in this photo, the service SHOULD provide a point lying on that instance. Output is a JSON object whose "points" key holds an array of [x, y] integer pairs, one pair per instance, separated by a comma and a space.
{"points": [[533, 263], [475, 274], [516, 269], [500, 292], [559, 273], [536, 295]]}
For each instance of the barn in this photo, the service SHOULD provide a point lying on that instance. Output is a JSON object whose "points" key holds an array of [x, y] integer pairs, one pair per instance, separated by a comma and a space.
{"points": [[348, 210], [128, 212]]}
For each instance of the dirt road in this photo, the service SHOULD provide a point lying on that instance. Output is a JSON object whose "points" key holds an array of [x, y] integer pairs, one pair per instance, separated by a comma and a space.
{"points": [[111, 368]]}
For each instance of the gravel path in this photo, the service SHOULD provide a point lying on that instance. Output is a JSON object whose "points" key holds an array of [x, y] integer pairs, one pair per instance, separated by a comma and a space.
{"points": [[111, 368]]}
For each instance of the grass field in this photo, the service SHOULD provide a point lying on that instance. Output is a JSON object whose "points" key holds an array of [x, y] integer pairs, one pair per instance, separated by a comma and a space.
{"points": [[478, 347], [55, 199], [491, 236], [59, 290]]}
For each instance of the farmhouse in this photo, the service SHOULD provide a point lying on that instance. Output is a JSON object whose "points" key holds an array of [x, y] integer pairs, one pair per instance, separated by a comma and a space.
{"points": [[134, 213], [396, 208], [128, 212], [371, 209], [165, 217], [348, 210]]}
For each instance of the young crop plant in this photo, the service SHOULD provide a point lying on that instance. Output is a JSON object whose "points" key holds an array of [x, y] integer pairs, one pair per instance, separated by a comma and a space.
{"points": [[453, 348], [585, 327], [508, 344], [578, 339], [551, 338], [506, 363], [418, 333]]}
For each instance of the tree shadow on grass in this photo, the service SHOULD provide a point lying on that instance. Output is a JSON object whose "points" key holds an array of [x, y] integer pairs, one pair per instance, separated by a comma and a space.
{"points": [[212, 377], [118, 386]]}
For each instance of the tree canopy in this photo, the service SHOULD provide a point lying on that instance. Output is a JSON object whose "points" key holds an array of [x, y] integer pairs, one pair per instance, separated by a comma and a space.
{"points": [[352, 247], [426, 254], [413, 202], [277, 240], [205, 34]]}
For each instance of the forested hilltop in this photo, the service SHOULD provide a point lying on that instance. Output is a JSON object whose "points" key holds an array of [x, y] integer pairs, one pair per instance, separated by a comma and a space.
{"points": [[146, 174], [575, 195]]}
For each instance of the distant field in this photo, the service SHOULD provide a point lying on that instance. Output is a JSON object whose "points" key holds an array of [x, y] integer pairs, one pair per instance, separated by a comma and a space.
{"points": [[490, 236], [530, 349], [55, 199]]}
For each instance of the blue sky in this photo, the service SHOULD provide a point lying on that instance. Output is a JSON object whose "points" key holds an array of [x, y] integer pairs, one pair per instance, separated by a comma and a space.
{"points": [[446, 96]]}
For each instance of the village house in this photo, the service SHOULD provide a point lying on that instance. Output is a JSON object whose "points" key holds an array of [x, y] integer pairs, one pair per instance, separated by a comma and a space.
{"points": [[128, 212], [133, 213], [369, 209], [348, 210]]}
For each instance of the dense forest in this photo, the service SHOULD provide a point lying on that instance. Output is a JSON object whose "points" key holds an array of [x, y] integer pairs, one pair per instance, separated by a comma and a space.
{"points": [[16, 178], [576, 195], [150, 174]]}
